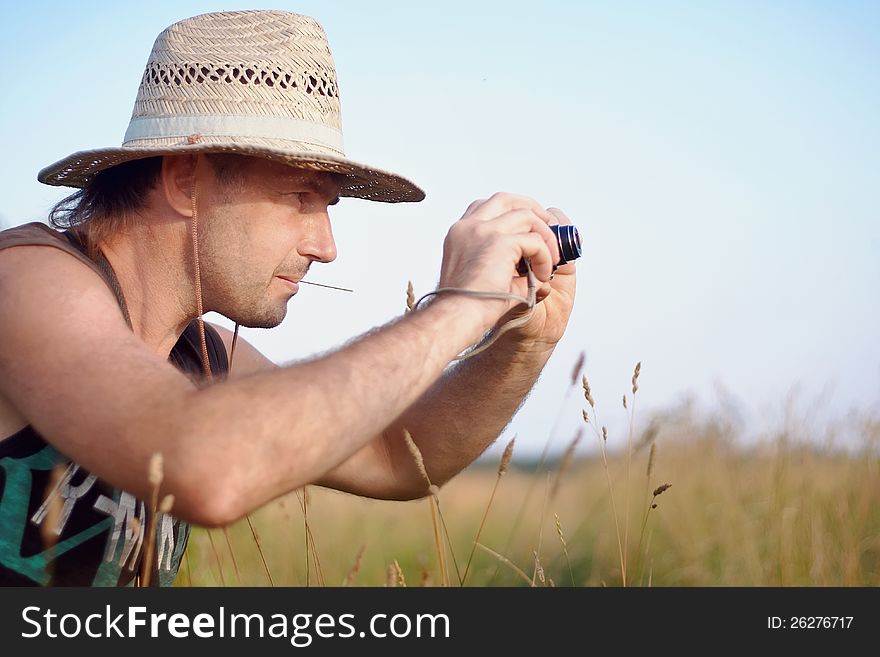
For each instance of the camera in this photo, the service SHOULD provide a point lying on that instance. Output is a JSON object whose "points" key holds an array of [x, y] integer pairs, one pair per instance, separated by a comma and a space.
{"points": [[569, 242]]}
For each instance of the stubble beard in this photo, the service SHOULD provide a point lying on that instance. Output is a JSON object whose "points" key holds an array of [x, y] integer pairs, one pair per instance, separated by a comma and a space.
{"points": [[246, 300], [233, 288]]}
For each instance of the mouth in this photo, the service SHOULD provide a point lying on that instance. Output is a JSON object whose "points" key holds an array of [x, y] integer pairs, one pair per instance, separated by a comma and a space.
{"points": [[292, 283]]}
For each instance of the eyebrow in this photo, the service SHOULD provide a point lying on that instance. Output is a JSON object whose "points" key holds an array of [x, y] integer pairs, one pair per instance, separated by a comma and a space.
{"points": [[318, 188]]}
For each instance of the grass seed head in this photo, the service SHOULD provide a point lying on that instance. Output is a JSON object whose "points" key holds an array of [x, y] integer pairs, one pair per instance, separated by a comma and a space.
{"points": [[417, 456], [661, 489], [410, 296], [559, 531], [568, 456], [578, 364], [355, 569], [505, 458], [636, 376], [156, 473], [539, 568], [394, 576], [167, 503], [134, 526], [588, 394], [49, 525]]}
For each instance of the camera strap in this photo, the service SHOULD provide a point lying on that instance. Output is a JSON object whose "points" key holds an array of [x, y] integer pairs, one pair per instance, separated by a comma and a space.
{"points": [[498, 331]]}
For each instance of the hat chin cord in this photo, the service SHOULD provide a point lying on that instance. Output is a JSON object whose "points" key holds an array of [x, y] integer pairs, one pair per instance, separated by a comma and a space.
{"points": [[194, 233]]}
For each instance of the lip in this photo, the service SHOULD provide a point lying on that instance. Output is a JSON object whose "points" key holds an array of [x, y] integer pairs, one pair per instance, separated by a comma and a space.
{"points": [[290, 282]]}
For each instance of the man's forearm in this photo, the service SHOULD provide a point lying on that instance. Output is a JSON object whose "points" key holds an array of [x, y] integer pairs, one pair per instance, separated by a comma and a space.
{"points": [[243, 442], [465, 410]]}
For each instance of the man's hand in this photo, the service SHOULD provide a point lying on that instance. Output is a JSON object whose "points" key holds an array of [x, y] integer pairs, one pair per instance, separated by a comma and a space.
{"points": [[482, 250], [555, 301]]}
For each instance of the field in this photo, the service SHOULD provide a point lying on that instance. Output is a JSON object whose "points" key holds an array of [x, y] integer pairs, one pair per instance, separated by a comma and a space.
{"points": [[790, 510]]}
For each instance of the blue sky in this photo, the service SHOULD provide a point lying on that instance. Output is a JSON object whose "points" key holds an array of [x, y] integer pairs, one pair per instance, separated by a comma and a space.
{"points": [[721, 159]]}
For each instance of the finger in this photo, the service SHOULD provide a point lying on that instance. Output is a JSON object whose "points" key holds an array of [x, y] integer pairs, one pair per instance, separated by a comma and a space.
{"points": [[543, 292], [561, 218], [520, 287], [523, 221], [473, 207], [532, 247], [502, 202]]}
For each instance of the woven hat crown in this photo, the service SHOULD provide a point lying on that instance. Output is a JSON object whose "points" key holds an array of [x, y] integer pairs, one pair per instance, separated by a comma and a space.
{"points": [[259, 83], [240, 76]]}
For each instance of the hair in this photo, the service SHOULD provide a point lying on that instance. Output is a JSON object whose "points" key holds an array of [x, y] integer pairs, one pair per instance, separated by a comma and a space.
{"points": [[114, 199], [109, 203]]}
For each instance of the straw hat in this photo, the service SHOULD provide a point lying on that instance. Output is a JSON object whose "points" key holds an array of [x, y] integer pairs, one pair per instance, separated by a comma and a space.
{"points": [[258, 83]]}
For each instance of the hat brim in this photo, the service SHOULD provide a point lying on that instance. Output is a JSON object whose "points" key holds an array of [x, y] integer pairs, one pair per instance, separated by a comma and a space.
{"points": [[359, 180]]}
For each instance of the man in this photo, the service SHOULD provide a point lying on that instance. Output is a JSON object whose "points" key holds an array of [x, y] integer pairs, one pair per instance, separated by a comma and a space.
{"points": [[218, 200]]}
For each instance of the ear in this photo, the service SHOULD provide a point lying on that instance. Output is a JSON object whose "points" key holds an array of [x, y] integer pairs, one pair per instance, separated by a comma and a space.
{"points": [[176, 179]]}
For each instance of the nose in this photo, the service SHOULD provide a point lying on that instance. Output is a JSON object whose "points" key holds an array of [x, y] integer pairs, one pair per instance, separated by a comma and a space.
{"points": [[318, 243]]}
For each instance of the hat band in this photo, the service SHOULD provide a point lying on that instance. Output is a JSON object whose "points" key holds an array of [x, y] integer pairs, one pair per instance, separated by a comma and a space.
{"points": [[234, 125]]}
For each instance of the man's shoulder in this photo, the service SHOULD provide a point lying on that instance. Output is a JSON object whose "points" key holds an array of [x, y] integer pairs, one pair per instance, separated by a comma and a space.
{"points": [[38, 261], [30, 233], [35, 234]]}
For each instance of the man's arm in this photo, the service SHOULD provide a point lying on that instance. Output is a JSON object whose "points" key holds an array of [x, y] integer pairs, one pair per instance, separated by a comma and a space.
{"points": [[70, 365], [369, 471]]}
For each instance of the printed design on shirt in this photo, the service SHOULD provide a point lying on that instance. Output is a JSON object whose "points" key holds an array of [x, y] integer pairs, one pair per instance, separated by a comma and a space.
{"points": [[124, 520], [124, 527], [18, 473], [166, 541], [69, 493]]}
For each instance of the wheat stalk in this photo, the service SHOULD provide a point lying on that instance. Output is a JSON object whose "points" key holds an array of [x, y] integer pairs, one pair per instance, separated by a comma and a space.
{"points": [[438, 542], [651, 506], [564, 546], [304, 503], [260, 550], [356, 567], [502, 468], [232, 554], [635, 387], [310, 540], [539, 569], [514, 526], [49, 523], [185, 558], [508, 563], [565, 463], [603, 439], [216, 557], [541, 522], [155, 475], [434, 502], [394, 577]]}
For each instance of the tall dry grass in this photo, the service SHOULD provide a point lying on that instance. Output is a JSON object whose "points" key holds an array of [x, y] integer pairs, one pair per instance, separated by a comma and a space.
{"points": [[788, 511]]}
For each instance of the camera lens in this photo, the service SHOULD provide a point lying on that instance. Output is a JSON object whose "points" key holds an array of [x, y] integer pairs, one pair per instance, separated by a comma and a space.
{"points": [[569, 241]]}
